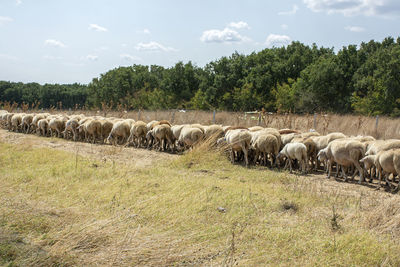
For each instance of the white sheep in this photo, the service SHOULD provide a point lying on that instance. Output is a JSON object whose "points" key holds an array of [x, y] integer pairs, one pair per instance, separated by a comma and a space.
{"points": [[296, 151]]}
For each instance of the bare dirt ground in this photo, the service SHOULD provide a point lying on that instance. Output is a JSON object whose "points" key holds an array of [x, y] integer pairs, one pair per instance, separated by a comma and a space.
{"points": [[138, 157]]}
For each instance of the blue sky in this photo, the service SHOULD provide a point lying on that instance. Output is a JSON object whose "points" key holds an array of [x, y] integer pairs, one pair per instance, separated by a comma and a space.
{"points": [[60, 41]]}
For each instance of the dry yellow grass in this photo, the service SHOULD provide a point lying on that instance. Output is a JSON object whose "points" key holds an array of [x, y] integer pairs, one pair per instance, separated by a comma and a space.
{"points": [[60, 208]]}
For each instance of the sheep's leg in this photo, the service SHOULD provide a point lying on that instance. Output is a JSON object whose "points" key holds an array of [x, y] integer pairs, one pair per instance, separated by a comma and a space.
{"points": [[344, 175], [246, 158], [232, 157], [329, 168], [379, 176], [290, 165]]}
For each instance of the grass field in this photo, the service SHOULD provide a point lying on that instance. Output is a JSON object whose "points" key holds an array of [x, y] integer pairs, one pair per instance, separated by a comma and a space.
{"points": [[62, 208]]}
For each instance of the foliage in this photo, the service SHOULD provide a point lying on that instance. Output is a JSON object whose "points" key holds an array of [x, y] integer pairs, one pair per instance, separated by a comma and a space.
{"points": [[299, 78]]}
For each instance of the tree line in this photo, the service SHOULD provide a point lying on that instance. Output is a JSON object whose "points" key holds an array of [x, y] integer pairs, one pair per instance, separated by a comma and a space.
{"points": [[297, 78]]}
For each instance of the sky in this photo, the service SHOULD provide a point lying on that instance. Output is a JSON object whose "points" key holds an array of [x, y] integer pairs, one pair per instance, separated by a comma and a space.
{"points": [[67, 41]]}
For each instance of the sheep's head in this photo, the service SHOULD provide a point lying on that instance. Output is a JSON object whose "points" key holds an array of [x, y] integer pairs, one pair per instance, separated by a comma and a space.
{"points": [[367, 161], [322, 155]]}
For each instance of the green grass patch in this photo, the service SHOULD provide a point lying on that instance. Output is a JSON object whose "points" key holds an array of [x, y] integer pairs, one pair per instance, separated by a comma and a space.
{"points": [[195, 210]]}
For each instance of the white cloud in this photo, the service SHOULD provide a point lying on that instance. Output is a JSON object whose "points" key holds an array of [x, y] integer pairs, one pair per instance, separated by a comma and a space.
{"points": [[92, 57], [4, 20], [55, 43], [386, 8], [239, 25], [124, 45], [284, 26], [276, 40], [290, 12], [227, 35], [18, 2], [154, 46], [97, 28], [354, 29], [130, 57]]}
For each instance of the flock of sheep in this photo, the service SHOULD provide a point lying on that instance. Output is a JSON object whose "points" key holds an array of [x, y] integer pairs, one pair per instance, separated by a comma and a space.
{"points": [[362, 155]]}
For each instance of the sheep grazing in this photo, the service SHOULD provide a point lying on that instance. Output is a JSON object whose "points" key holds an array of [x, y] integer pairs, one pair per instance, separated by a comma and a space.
{"points": [[138, 133], [385, 165], [36, 118], [199, 126], [295, 151], [119, 133], [380, 145], [255, 128], [369, 165], [106, 127], [16, 122], [239, 141], [92, 130], [345, 153], [267, 145], [162, 134], [213, 131], [288, 131], [26, 122], [309, 134], [57, 125], [43, 127], [71, 126], [311, 150], [189, 136]]}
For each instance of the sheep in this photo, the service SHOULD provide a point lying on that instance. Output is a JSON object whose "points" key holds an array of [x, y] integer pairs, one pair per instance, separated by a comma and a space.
{"points": [[92, 129], [57, 125], [255, 128], [43, 127], [71, 126], [3, 119], [16, 122], [106, 127], [323, 141], [309, 134], [162, 134], [296, 151], [238, 140], [26, 122], [267, 144], [213, 131], [8, 120], [385, 164], [199, 126], [119, 133], [311, 149], [36, 118], [288, 131], [369, 164], [287, 138], [138, 133], [190, 136], [364, 139], [345, 153], [378, 146]]}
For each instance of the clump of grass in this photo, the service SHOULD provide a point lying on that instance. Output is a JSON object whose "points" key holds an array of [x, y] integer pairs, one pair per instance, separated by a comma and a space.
{"points": [[289, 206]]}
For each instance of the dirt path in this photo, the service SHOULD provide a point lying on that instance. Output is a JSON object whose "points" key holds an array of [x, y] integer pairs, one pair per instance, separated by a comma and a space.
{"points": [[139, 157], [142, 157]]}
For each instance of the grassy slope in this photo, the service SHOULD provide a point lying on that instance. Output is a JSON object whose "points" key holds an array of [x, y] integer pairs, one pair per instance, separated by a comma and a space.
{"points": [[60, 208]]}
